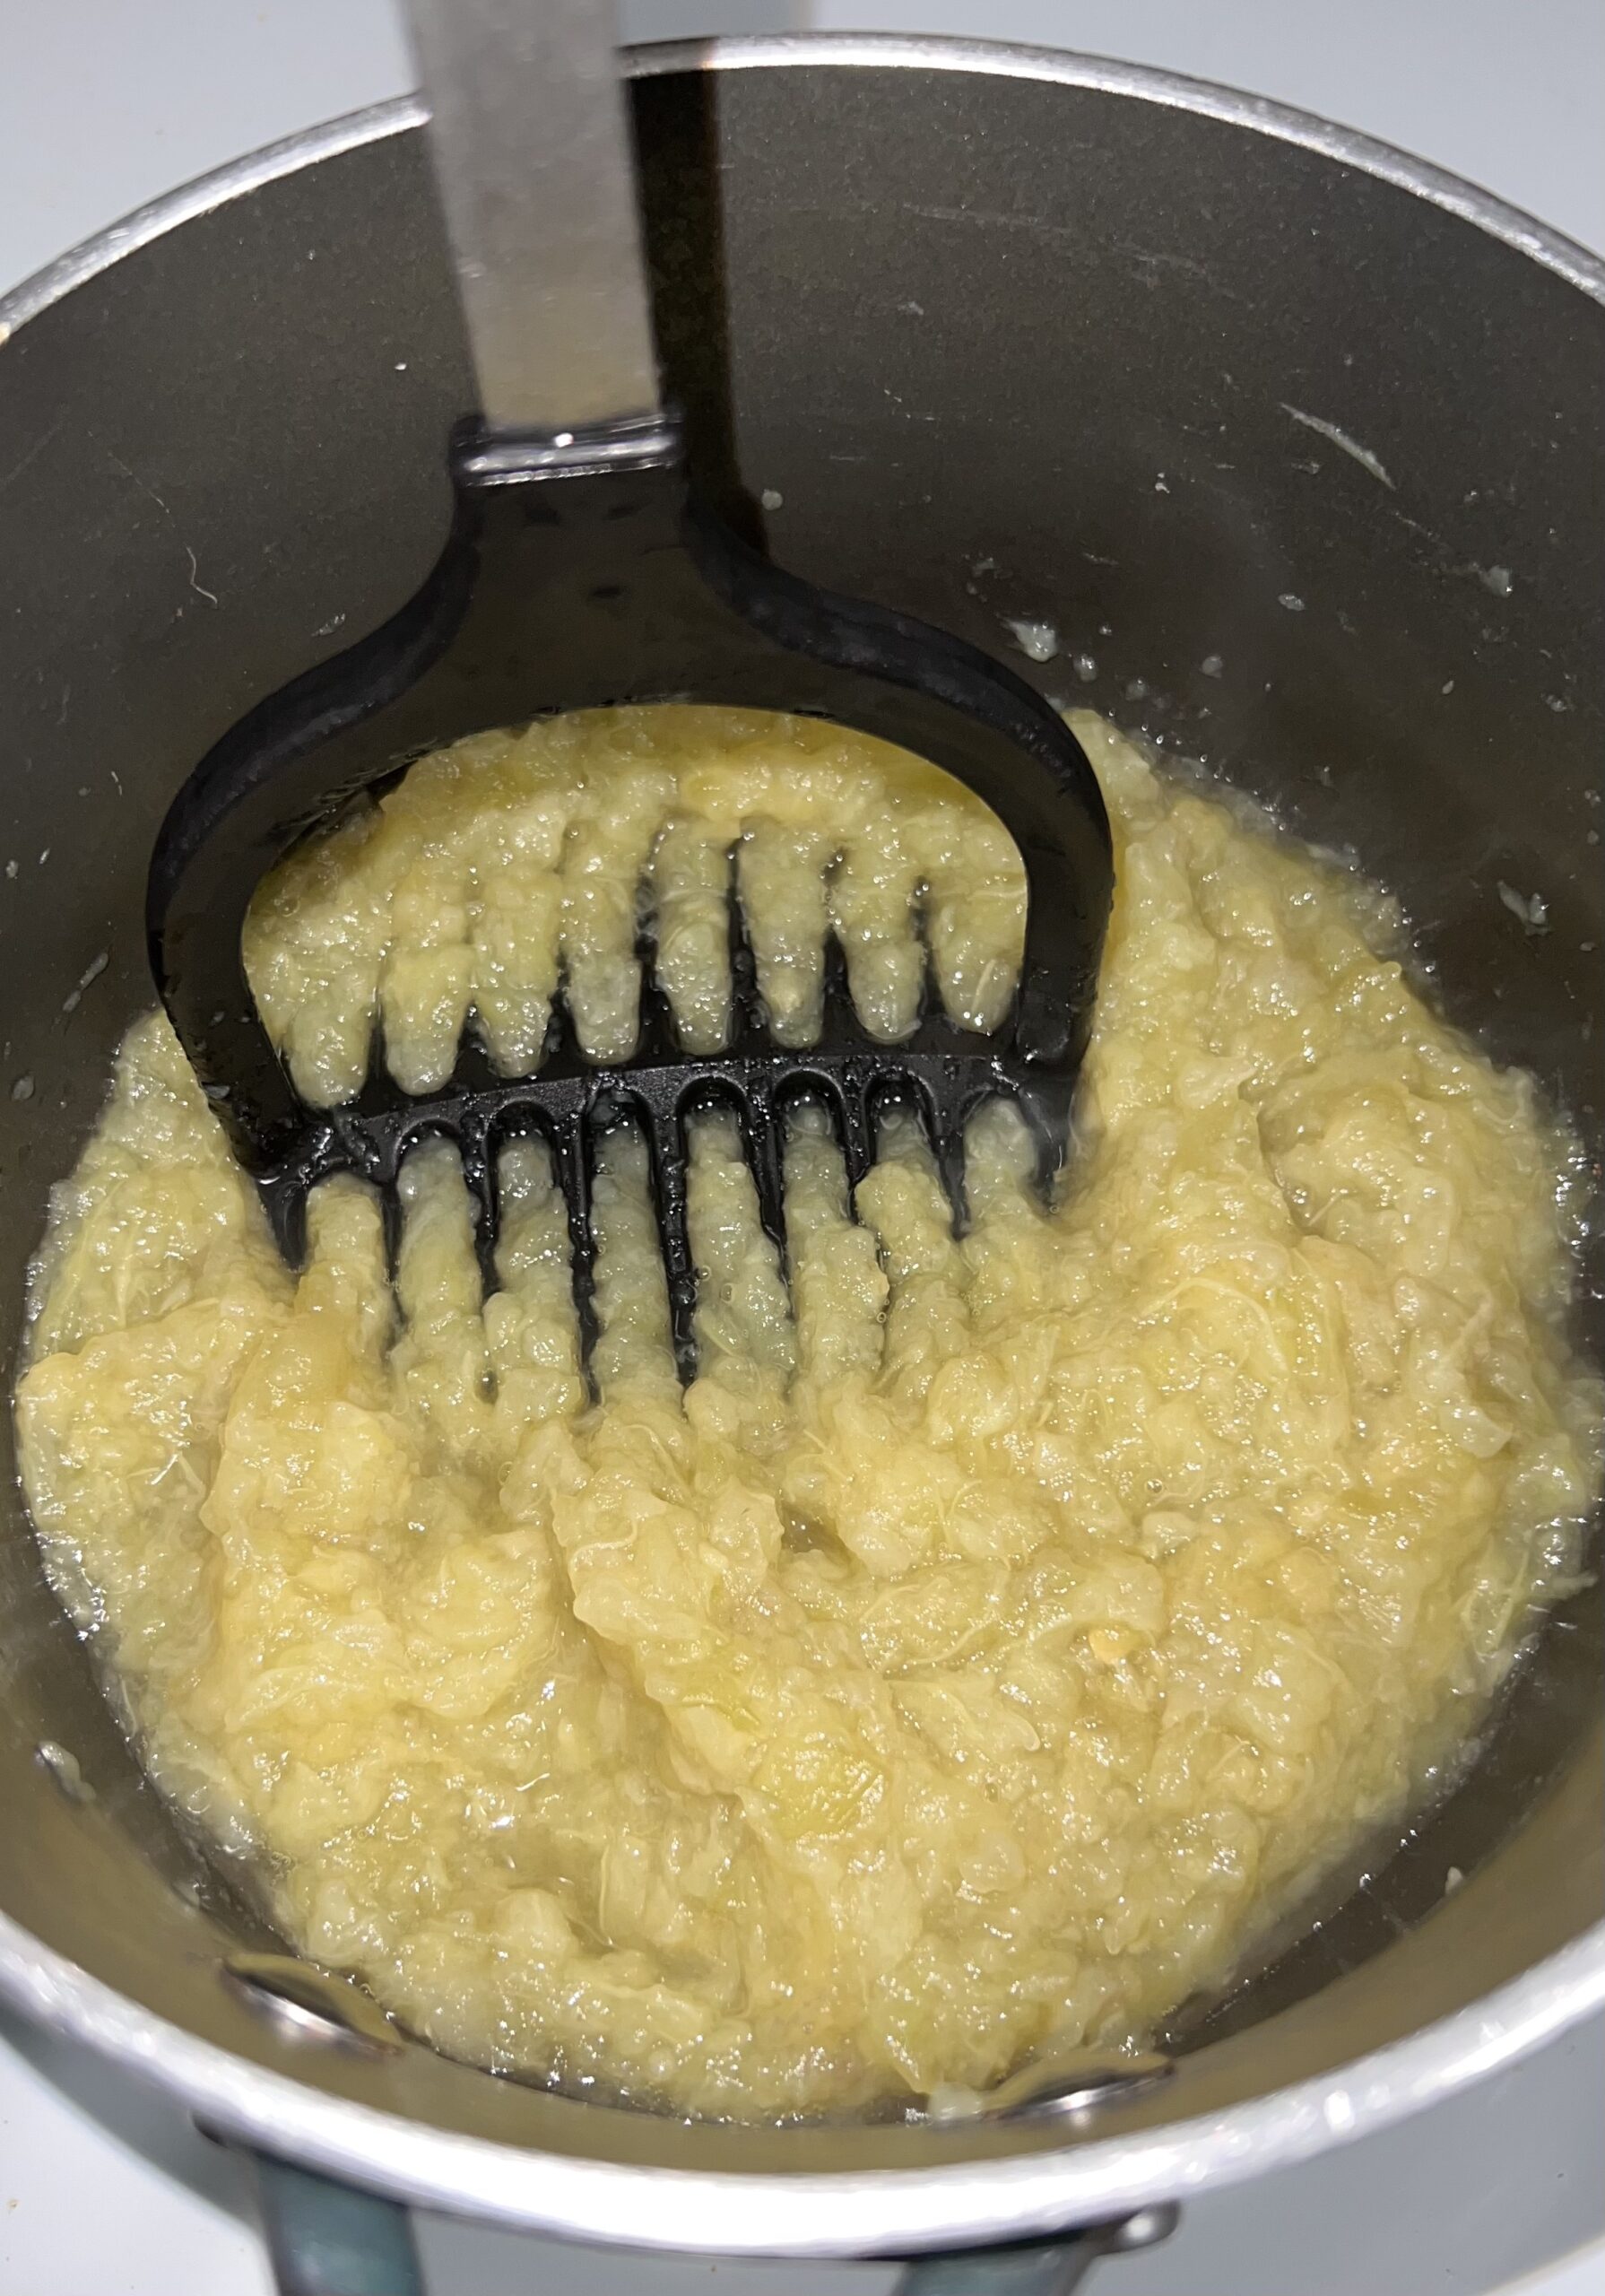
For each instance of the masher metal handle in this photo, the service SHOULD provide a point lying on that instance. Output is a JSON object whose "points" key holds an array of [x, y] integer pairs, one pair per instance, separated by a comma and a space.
{"points": [[531, 146]]}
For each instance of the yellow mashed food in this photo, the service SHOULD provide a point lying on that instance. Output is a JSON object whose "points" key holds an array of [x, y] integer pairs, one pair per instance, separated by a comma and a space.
{"points": [[979, 1656]]}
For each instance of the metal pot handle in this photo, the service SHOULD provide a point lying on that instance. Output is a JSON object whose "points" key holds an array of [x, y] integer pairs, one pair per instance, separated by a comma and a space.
{"points": [[1049, 2269], [326, 2239]]}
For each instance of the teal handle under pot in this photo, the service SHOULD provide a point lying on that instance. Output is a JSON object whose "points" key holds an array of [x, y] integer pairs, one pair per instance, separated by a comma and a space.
{"points": [[326, 2239]]}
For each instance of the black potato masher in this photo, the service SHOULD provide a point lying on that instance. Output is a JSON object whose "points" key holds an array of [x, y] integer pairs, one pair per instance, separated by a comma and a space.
{"points": [[582, 571]]}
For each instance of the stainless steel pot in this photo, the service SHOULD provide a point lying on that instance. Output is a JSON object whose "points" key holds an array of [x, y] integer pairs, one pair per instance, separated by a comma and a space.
{"points": [[1297, 444]]}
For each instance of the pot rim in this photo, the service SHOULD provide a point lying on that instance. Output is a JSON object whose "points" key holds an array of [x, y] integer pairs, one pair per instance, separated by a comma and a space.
{"points": [[963, 2204], [926, 52], [881, 2210]]}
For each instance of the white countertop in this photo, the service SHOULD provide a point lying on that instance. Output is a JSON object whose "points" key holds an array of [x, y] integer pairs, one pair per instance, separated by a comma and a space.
{"points": [[104, 2190]]}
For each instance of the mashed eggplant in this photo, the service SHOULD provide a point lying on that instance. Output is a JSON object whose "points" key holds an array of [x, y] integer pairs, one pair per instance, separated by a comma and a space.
{"points": [[1001, 1633]]}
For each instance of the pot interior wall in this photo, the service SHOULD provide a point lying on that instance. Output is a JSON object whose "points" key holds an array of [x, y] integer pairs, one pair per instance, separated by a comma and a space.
{"points": [[1002, 349]]}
